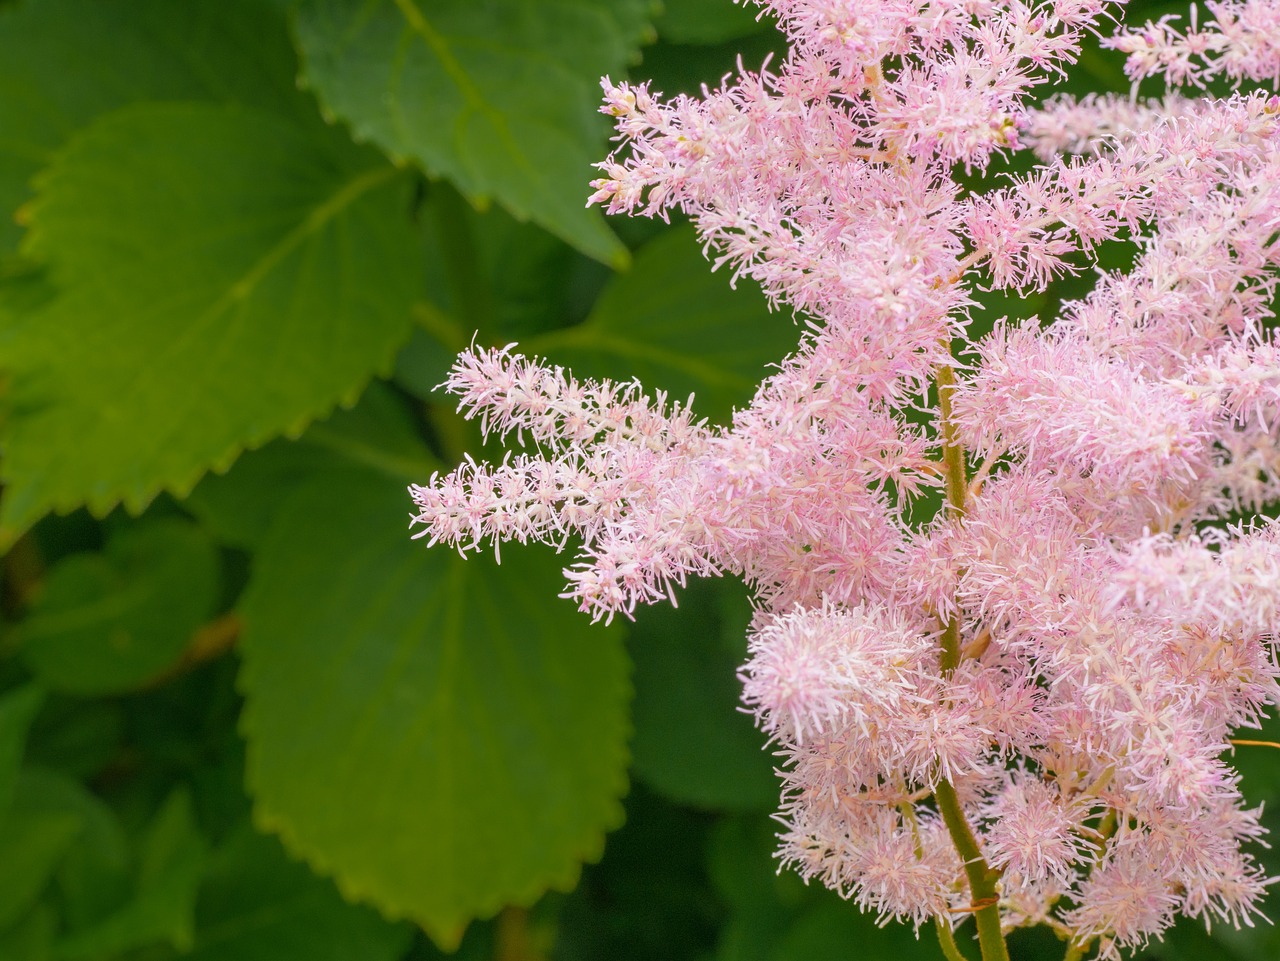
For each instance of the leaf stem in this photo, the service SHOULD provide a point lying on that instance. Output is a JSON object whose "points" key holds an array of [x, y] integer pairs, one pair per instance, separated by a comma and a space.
{"points": [[515, 938], [210, 642]]}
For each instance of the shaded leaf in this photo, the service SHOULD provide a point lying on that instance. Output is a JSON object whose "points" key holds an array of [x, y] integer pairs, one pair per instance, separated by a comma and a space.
{"points": [[431, 731], [257, 905], [526, 281], [423, 365], [764, 903], [691, 741], [64, 62], [492, 278], [678, 327], [674, 69], [378, 433], [108, 622], [710, 21], [31, 938], [75, 736], [650, 898], [500, 97], [1259, 772], [828, 929], [187, 723], [170, 862], [17, 710], [197, 249], [95, 878], [32, 842], [44, 820]]}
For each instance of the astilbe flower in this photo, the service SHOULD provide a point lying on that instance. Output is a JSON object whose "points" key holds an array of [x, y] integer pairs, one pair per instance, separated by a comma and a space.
{"points": [[1021, 709]]}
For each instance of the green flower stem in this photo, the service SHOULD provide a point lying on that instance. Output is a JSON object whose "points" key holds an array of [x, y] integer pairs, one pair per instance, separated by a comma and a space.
{"points": [[982, 879], [950, 950], [952, 450], [957, 487]]}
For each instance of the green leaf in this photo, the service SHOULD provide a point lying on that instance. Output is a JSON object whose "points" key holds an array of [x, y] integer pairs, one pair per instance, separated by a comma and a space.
{"points": [[64, 62], [650, 897], [75, 736], [710, 21], [31, 844], [378, 433], [691, 741], [500, 97], [170, 863], [95, 878], [108, 622], [1259, 772], [200, 250], [526, 280], [423, 364], [828, 929], [678, 327], [31, 939], [492, 277], [39, 829], [436, 733], [17, 710], [764, 902], [257, 905]]}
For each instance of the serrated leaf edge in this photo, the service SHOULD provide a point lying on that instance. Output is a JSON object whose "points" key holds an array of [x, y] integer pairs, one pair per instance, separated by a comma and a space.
{"points": [[355, 888], [138, 498]]}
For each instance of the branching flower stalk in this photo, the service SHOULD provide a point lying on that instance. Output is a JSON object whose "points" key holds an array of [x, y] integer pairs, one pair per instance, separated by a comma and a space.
{"points": [[1022, 709]]}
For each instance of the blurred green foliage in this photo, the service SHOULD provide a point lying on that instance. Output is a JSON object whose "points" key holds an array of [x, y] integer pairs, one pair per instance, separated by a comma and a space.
{"points": [[242, 715]]}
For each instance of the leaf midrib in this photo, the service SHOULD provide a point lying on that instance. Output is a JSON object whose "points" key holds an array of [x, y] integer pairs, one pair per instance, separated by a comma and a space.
{"points": [[471, 93], [240, 290]]}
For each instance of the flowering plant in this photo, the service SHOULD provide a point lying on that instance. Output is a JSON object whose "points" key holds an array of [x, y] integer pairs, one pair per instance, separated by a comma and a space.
{"points": [[1018, 708]]}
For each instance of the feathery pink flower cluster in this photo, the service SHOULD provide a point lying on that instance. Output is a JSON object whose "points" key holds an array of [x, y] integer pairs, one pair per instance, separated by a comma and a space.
{"points": [[1022, 708]]}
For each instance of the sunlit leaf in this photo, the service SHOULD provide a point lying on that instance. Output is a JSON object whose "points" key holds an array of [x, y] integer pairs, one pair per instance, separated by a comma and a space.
{"points": [[499, 97], [64, 62], [198, 250], [430, 731]]}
